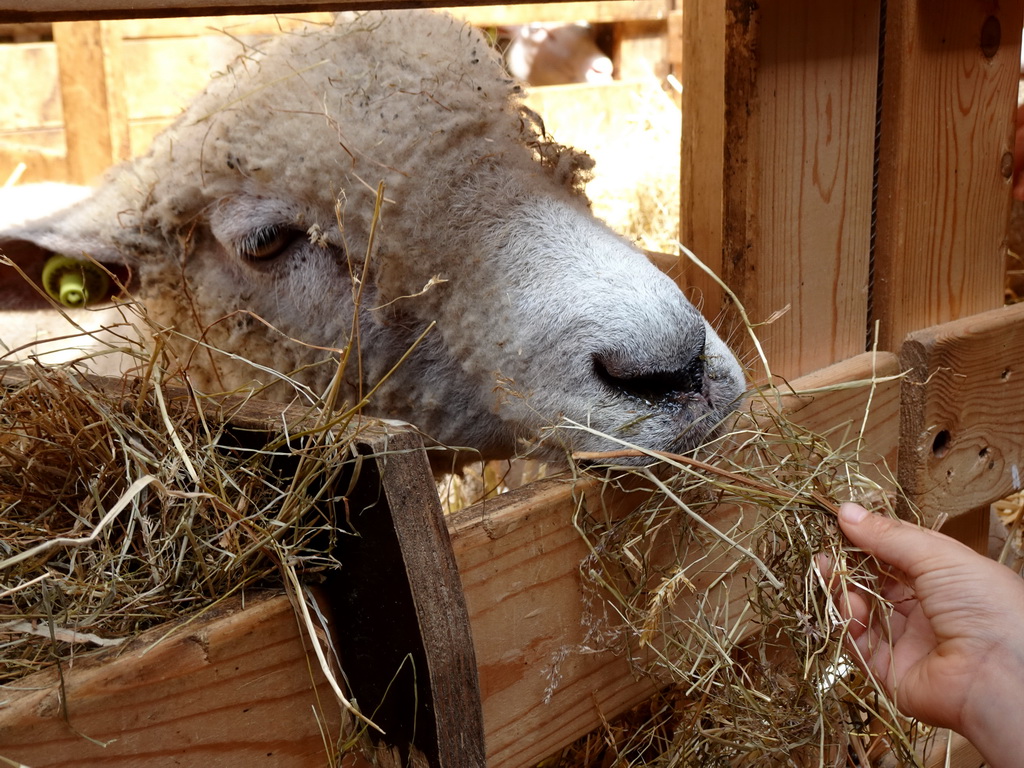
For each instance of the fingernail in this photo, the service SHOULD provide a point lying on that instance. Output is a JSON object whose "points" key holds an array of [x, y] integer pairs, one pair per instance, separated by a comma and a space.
{"points": [[852, 513]]}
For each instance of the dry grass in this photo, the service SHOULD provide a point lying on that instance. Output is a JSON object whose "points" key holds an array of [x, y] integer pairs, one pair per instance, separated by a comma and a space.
{"points": [[124, 508], [712, 587]]}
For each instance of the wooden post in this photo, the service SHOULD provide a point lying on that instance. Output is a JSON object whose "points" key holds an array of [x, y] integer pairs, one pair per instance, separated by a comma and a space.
{"points": [[949, 88], [641, 48], [92, 92], [703, 145], [778, 150], [961, 424]]}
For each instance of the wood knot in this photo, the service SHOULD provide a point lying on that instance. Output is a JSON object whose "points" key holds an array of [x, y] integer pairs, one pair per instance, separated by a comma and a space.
{"points": [[991, 33]]}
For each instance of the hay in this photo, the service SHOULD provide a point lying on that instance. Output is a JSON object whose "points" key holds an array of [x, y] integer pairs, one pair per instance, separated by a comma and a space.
{"points": [[712, 587], [125, 508]]}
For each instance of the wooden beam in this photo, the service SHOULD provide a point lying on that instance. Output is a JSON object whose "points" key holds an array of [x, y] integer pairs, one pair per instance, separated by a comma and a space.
{"points": [[238, 681], [778, 176], [21, 11], [403, 609], [92, 94], [597, 11], [949, 89], [702, 172], [962, 443], [40, 164], [641, 48], [31, 97], [946, 750]]}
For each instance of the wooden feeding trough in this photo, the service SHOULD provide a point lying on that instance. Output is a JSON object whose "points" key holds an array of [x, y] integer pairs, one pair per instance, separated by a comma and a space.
{"points": [[846, 170]]}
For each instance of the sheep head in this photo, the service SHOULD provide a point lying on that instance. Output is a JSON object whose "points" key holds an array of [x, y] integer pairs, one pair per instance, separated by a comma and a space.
{"points": [[378, 187]]}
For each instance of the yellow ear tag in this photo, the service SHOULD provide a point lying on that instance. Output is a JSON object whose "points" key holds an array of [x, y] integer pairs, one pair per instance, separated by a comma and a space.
{"points": [[73, 282]]}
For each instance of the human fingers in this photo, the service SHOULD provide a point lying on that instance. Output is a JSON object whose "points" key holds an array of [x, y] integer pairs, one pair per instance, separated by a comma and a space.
{"points": [[856, 599], [904, 545]]}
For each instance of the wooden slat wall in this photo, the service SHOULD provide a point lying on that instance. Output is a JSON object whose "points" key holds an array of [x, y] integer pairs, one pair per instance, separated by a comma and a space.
{"points": [[153, 703], [702, 171], [778, 176], [172, 59], [962, 445], [945, 161]]}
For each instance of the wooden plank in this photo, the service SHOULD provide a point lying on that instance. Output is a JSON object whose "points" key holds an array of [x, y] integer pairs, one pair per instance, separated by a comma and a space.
{"points": [[579, 113], [959, 754], [194, 26], [641, 47], [406, 642], [544, 680], [946, 750], [962, 443], [972, 527], [141, 132], [519, 559], [92, 93], [793, 201], [945, 161], [861, 419], [32, 118], [237, 682], [24, 33], [702, 161], [597, 11], [21, 11], [167, 73], [675, 42]]}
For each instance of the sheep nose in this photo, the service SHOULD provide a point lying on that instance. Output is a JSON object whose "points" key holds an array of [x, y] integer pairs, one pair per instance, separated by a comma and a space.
{"points": [[648, 382]]}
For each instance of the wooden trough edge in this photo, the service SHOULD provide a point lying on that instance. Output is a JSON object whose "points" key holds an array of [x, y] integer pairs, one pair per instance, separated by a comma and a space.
{"points": [[403, 580]]}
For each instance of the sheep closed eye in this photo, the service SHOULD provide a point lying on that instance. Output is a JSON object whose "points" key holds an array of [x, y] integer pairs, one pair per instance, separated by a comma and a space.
{"points": [[266, 242]]}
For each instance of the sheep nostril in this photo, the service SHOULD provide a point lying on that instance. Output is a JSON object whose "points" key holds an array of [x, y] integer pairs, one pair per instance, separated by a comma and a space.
{"points": [[652, 385]]}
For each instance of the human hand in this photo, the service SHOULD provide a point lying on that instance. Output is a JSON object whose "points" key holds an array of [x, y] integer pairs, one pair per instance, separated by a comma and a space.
{"points": [[951, 652]]}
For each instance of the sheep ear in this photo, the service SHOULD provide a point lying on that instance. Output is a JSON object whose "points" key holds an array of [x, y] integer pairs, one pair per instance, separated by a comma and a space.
{"points": [[40, 221]]}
